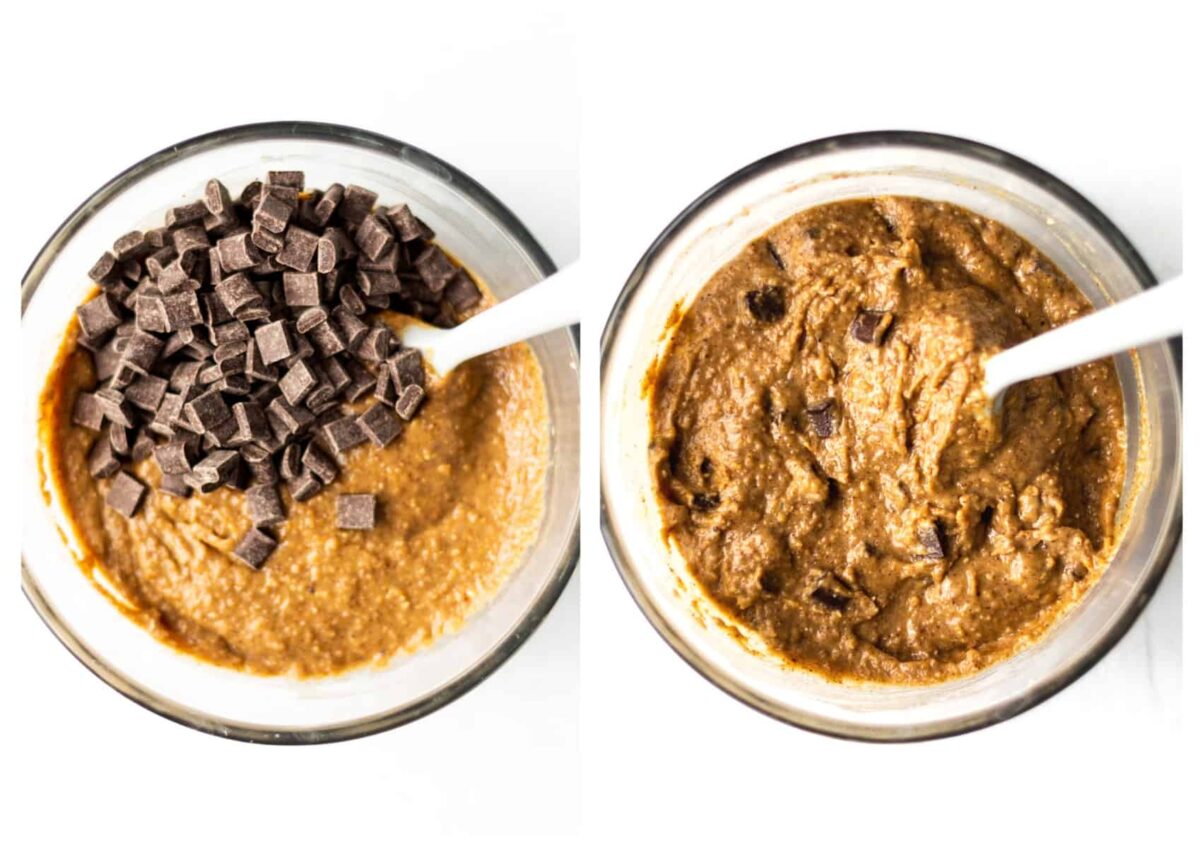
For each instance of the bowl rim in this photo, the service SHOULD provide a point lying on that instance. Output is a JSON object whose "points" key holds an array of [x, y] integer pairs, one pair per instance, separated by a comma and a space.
{"points": [[466, 680], [937, 142]]}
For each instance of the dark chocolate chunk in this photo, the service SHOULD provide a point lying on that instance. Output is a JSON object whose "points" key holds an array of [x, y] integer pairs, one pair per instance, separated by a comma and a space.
{"points": [[175, 277], [335, 372], [298, 381], [190, 243], [292, 179], [167, 414], [821, 419], [435, 267], [333, 248], [256, 369], [289, 462], [378, 283], [299, 249], [374, 345], [461, 292], [268, 242], [385, 388], [870, 326], [356, 512], [250, 194], [150, 314], [406, 368], [292, 418], [357, 203], [301, 289], [116, 408], [344, 434], [380, 424], [132, 246], [319, 463], [260, 464], [352, 327], [254, 548], [142, 447], [310, 318], [409, 400], [185, 374], [220, 466], [274, 342], [361, 381], [176, 456], [407, 225], [272, 214], [933, 540], [186, 214], [324, 208], [146, 392], [102, 462], [182, 310], [264, 506], [237, 292], [126, 494], [768, 304], [216, 198], [304, 486], [105, 267], [327, 339], [174, 484], [350, 299], [100, 315], [87, 411], [251, 423], [238, 252], [142, 351], [373, 236], [207, 410]]}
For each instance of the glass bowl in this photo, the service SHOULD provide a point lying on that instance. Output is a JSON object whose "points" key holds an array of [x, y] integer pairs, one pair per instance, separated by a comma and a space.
{"points": [[710, 232], [474, 226]]}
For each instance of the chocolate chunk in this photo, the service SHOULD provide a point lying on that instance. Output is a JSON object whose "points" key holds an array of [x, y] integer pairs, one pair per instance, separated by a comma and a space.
{"points": [[319, 463], [142, 447], [298, 381], [407, 225], [207, 410], [324, 208], [87, 411], [216, 198], [184, 375], [132, 246], [933, 540], [182, 310], [435, 267], [299, 249], [186, 214], [768, 304], [126, 494], [149, 314], [273, 342], [333, 248], [356, 512], [146, 392], [357, 203], [374, 345], [406, 368], [289, 462], [373, 236], [102, 462], [176, 456], [269, 243], [272, 214], [159, 260], [821, 419], [176, 277], [256, 369], [260, 464], [237, 292], [100, 315], [254, 548], [352, 327], [166, 415], [361, 381], [234, 351], [292, 179], [292, 418], [301, 289], [409, 400], [174, 484], [385, 388], [190, 242], [264, 506], [869, 326], [310, 318], [327, 339], [250, 194], [350, 299], [220, 466], [380, 424], [105, 267], [378, 283], [251, 423], [461, 292], [344, 434], [304, 486], [335, 372], [116, 408], [238, 252]]}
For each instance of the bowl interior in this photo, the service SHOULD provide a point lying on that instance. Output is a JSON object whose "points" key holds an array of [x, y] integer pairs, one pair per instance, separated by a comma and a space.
{"points": [[232, 702], [711, 233]]}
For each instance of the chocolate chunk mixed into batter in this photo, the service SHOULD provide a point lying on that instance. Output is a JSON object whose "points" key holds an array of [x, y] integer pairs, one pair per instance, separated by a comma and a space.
{"points": [[827, 461]]}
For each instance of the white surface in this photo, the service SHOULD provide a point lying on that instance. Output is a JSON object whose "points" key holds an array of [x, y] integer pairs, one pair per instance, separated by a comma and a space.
{"points": [[692, 101], [477, 96]]}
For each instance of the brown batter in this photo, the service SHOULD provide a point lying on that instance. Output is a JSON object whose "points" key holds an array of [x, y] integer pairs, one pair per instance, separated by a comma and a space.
{"points": [[826, 458], [461, 494]]}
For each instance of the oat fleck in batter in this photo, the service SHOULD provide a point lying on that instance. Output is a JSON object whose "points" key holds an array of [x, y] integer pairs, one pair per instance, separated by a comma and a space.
{"points": [[825, 457]]}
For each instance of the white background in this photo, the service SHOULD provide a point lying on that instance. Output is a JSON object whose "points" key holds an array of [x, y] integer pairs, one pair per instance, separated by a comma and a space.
{"points": [[669, 104], [688, 103], [498, 99]]}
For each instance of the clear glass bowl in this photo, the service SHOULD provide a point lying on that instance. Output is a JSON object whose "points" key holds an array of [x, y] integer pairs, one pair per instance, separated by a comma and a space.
{"points": [[488, 239], [709, 233]]}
